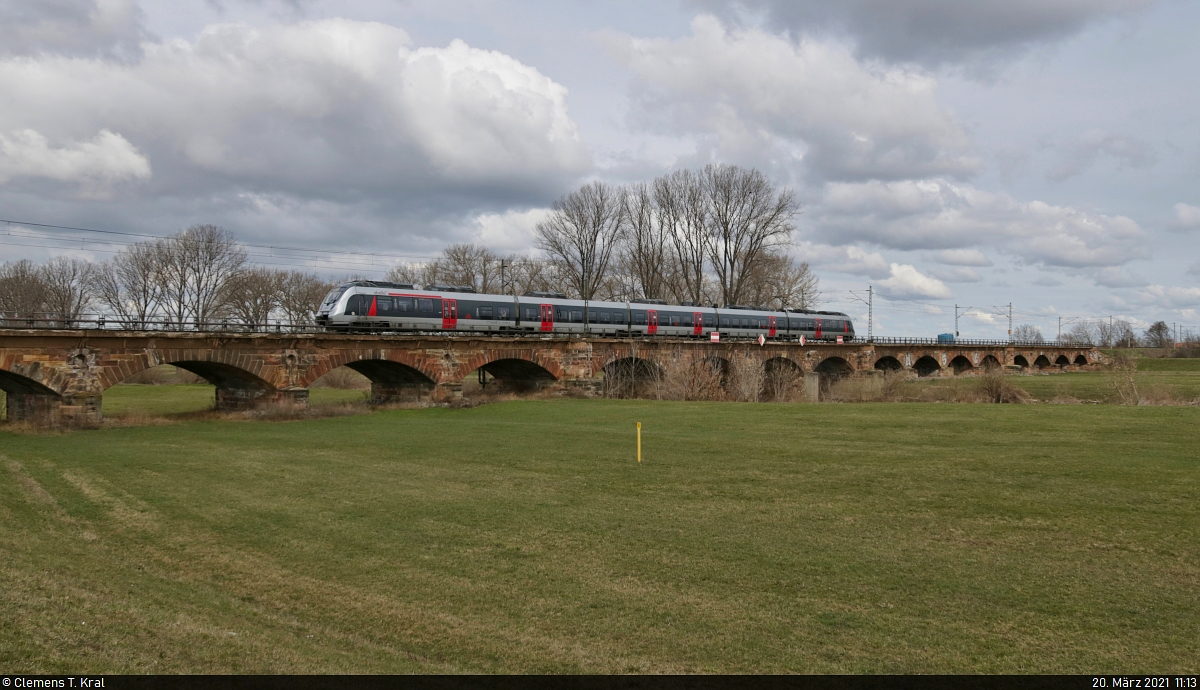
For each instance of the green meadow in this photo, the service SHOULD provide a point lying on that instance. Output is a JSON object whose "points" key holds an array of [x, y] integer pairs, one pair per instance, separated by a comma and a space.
{"points": [[525, 537]]}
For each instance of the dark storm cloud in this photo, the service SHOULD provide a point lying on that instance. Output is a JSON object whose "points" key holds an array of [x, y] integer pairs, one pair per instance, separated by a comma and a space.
{"points": [[933, 31]]}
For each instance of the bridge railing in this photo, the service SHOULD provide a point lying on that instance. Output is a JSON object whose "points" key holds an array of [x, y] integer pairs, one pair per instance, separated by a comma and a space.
{"points": [[10, 321]]}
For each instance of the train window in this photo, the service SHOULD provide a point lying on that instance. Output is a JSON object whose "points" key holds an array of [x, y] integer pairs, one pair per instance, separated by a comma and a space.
{"points": [[606, 317], [400, 305], [485, 312], [709, 320], [531, 314], [425, 305], [639, 318], [502, 313], [383, 305], [577, 316], [560, 314], [674, 320], [354, 305]]}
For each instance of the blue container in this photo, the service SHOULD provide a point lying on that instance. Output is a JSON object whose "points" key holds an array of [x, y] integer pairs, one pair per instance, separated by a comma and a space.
{"points": [[945, 337]]}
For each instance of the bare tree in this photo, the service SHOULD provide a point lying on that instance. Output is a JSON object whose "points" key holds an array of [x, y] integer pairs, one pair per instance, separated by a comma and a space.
{"points": [[469, 264], [252, 294], [1027, 333], [22, 291], [747, 217], [408, 273], [645, 254], [1082, 333], [300, 296], [196, 265], [778, 282], [1158, 335], [682, 214], [526, 274], [67, 290], [130, 285], [581, 235]]}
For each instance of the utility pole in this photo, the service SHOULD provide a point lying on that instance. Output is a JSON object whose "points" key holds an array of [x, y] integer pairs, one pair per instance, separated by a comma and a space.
{"points": [[870, 314], [964, 313], [1010, 322], [1059, 338], [503, 285]]}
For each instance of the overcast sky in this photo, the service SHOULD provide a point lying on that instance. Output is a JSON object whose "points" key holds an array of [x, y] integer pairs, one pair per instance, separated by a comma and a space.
{"points": [[1040, 152]]}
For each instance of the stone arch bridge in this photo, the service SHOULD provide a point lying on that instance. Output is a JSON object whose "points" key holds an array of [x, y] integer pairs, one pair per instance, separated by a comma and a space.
{"points": [[59, 377]]}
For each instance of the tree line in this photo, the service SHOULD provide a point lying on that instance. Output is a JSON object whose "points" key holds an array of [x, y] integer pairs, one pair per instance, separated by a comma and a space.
{"points": [[717, 235], [1107, 333], [200, 276]]}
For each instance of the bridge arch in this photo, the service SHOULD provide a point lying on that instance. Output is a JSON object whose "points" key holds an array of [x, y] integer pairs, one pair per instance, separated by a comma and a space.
{"points": [[1020, 361], [1062, 361], [834, 368], [961, 364], [990, 362], [1080, 360], [927, 366], [888, 363], [1042, 362]]}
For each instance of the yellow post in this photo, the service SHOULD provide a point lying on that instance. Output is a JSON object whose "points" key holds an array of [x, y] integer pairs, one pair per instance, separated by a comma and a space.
{"points": [[639, 442]]}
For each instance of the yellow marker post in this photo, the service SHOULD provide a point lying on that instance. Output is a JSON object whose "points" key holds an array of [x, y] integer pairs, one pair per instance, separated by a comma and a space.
{"points": [[639, 442]]}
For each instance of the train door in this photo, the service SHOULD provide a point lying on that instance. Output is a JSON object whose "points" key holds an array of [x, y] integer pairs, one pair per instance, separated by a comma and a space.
{"points": [[651, 322], [547, 318], [818, 333], [449, 314], [771, 326], [697, 323]]}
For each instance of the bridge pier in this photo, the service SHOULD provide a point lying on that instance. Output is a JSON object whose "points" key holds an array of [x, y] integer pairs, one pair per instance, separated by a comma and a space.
{"points": [[390, 394], [75, 411]]}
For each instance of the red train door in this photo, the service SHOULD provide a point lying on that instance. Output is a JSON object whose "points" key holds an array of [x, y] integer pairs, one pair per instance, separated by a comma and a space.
{"points": [[697, 323], [771, 326], [818, 333], [547, 318], [651, 322], [449, 314]]}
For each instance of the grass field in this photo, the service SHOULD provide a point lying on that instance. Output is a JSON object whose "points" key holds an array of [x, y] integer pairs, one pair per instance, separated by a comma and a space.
{"points": [[524, 537]]}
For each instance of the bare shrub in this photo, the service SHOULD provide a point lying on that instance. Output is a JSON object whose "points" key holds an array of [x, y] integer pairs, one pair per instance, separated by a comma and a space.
{"points": [[885, 388], [1156, 394], [343, 378], [744, 382], [685, 377], [995, 386], [783, 383], [1121, 378]]}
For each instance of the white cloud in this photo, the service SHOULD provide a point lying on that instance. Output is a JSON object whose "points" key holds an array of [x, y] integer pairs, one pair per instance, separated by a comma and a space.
{"points": [[858, 261], [929, 214], [963, 257], [112, 28], [509, 231], [1165, 296], [760, 95], [95, 165], [907, 281], [330, 109], [1187, 217]]}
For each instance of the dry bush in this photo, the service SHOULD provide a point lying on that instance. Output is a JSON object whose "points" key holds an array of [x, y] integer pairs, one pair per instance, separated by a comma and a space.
{"points": [[1121, 378], [343, 378], [744, 382], [685, 377], [783, 383], [874, 388], [995, 386], [951, 391], [1157, 394]]}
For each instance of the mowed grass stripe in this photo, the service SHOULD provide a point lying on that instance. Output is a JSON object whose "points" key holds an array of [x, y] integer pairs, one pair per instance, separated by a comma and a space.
{"points": [[525, 537]]}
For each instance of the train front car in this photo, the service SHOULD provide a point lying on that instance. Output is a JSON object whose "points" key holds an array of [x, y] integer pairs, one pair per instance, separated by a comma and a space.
{"points": [[378, 306]]}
